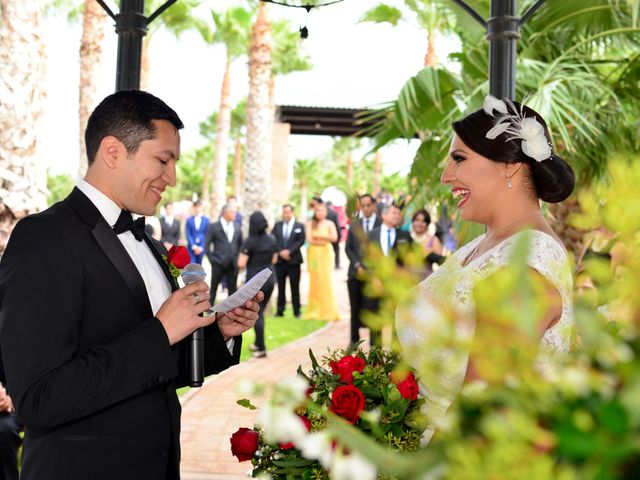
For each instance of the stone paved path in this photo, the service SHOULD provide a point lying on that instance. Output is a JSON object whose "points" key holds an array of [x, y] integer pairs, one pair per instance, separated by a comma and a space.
{"points": [[210, 414]]}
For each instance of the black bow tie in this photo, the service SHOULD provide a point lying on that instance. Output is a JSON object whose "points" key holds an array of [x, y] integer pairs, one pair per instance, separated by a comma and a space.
{"points": [[126, 223]]}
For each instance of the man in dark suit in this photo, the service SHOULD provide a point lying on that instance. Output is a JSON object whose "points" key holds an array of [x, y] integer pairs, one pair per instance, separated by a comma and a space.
{"points": [[290, 238], [196, 229], [393, 242], [93, 321], [222, 244], [170, 227], [355, 248]]}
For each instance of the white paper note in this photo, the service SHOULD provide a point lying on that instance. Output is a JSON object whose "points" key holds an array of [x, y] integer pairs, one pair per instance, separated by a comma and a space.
{"points": [[244, 293]]}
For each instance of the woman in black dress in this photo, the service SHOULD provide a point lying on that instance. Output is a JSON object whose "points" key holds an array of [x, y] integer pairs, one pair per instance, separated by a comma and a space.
{"points": [[257, 253]]}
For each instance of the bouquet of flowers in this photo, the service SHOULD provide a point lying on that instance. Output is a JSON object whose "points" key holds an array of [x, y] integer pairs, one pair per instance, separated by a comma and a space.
{"points": [[371, 391]]}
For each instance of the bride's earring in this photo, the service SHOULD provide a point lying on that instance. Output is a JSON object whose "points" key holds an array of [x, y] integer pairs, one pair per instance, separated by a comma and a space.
{"points": [[509, 184]]}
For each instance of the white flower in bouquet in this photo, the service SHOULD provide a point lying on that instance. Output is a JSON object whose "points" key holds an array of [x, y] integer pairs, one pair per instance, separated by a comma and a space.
{"points": [[317, 446], [281, 424], [290, 391], [352, 467]]}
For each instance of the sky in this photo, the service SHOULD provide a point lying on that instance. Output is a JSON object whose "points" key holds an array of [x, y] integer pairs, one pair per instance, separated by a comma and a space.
{"points": [[355, 65]]}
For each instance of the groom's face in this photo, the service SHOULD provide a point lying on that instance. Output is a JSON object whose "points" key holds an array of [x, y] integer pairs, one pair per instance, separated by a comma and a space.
{"points": [[144, 175]]}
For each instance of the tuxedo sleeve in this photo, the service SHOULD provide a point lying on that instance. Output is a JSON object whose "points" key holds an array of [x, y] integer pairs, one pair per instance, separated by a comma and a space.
{"points": [[52, 382], [352, 246], [297, 245]]}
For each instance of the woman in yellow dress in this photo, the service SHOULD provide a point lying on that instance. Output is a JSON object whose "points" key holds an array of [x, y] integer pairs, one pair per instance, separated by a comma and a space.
{"points": [[322, 304]]}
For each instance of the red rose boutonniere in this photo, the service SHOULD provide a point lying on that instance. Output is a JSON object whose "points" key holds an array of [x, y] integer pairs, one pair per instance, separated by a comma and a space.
{"points": [[177, 258]]}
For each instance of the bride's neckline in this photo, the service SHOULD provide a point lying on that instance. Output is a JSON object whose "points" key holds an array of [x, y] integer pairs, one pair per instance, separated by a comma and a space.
{"points": [[504, 240]]}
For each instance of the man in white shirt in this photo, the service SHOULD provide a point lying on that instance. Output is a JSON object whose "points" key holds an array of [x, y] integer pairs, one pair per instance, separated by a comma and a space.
{"points": [[93, 321]]}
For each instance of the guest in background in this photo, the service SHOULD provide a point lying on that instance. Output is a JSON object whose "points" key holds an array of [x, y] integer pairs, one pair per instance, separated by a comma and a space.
{"points": [[258, 252], [321, 233], [170, 227], [196, 229], [232, 201], [393, 242], [430, 243], [332, 216], [222, 244], [355, 248], [290, 237]]}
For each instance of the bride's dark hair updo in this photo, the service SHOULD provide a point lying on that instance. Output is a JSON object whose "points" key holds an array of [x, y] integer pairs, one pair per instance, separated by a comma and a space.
{"points": [[553, 178]]}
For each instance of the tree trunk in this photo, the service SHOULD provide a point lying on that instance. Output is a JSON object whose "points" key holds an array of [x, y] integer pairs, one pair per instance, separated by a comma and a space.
{"points": [[304, 206], [431, 59], [205, 190], [237, 170], [93, 29], [259, 121], [349, 171], [145, 65], [376, 172], [218, 194], [23, 176]]}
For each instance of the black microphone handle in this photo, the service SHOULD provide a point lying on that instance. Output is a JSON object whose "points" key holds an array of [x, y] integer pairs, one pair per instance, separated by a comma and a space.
{"points": [[195, 359]]}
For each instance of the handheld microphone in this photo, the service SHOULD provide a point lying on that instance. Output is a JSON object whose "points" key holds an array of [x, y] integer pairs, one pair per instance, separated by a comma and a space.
{"points": [[192, 273]]}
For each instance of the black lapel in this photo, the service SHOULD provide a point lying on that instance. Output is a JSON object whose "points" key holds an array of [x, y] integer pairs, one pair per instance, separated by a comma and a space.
{"points": [[108, 241], [163, 264]]}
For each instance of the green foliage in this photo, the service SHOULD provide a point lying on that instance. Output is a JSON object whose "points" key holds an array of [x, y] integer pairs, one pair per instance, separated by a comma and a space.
{"points": [[59, 187], [382, 13], [286, 56]]}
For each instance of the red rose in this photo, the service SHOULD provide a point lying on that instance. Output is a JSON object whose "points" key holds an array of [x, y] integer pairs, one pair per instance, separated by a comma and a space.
{"points": [[178, 256], [408, 386], [346, 366], [307, 423], [347, 401], [244, 444]]}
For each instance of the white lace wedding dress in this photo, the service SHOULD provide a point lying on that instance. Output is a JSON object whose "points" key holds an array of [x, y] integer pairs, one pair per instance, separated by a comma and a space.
{"points": [[432, 342]]}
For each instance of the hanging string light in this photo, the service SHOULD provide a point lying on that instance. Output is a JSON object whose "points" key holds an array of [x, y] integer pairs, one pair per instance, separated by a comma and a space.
{"points": [[308, 5]]}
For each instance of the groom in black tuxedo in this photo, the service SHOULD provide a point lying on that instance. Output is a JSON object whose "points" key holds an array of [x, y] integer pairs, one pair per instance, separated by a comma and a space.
{"points": [[93, 321], [290, 238]]}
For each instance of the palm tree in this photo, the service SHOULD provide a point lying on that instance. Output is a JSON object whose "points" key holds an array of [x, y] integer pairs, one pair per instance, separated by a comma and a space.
{"points": [[305, 172], [257, 183], [93, 29], [23, 179], [434, 16], [232, 31]]}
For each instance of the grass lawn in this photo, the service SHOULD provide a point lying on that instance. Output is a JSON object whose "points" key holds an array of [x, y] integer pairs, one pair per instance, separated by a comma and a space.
{"points": [[278, 331]]}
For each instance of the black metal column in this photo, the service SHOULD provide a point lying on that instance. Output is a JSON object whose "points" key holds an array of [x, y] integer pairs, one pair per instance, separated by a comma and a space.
{"points": [[131, 27], [503, 32]]}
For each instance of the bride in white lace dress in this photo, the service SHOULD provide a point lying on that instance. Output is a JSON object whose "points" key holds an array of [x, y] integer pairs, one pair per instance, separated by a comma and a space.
{"points": [[501, 165]]}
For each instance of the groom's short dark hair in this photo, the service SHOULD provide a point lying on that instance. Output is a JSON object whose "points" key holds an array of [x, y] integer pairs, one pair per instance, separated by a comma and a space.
{"points": [[127, 115]]}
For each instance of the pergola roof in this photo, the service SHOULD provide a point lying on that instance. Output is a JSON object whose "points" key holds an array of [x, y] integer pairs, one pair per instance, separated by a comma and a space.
{"points": [[341, 122]]}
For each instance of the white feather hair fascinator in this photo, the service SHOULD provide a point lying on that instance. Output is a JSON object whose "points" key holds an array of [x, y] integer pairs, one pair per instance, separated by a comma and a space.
{"points": [[527, 129]]}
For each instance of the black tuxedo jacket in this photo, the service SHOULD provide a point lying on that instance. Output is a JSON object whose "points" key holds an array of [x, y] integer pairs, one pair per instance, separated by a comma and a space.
{"points": [[170, 231], [355, 246], [89, 368], [403, 241], [294, 243], [218, 248]]}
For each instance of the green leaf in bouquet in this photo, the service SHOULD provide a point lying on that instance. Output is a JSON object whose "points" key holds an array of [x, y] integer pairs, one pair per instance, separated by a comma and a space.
{"points": [[314, 362], [293, 462], [303, 375], [246, 403], [394, 411], [354, 347]]}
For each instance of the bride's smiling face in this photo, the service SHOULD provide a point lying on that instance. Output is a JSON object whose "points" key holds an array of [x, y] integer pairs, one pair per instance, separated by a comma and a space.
{"points": [[475, 181]]}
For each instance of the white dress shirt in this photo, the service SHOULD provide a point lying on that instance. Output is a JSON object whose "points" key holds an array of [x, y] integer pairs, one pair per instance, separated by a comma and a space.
{"points": [[229, 229], [384, 238], [287, 228]]}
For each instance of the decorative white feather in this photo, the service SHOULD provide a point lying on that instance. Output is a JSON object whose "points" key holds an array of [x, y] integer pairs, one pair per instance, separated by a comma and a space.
{"points": [[499, 128], [492, 103]]}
